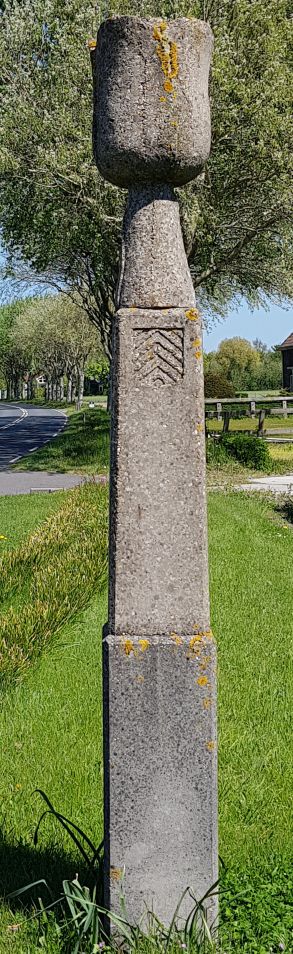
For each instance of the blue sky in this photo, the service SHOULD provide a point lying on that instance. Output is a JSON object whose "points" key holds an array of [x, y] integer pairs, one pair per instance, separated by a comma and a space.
{"points": [[271, 326]]}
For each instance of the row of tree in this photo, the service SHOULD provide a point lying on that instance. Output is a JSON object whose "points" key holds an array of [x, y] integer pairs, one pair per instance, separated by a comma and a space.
{"points": [[50, 337], [62, 222], [238, 365]]}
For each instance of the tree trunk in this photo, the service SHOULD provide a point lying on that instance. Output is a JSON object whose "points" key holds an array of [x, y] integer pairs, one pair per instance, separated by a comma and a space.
{"points": [[69, 389], [80, 386], [61, 385]]}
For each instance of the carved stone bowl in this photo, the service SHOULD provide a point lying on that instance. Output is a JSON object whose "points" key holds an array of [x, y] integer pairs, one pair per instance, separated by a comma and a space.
{"points": [[151, 105]]}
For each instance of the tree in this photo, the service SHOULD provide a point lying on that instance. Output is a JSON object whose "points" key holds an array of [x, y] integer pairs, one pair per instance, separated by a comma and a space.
{"points": [[61, 220], [244, 366], [50, 335], [216, 385]]}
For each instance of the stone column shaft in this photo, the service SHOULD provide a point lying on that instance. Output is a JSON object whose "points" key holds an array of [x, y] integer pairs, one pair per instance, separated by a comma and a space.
{"points": [[151, 132]]}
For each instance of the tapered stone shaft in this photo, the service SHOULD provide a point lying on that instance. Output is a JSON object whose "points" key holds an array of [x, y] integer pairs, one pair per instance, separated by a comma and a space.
{"points": [[158, 650]]}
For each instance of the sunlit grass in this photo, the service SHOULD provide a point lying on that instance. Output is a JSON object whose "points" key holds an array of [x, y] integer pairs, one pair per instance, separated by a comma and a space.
{"points": [[82, 448]]}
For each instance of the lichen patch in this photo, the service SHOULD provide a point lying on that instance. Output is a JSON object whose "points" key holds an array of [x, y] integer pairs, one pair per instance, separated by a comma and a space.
{"points": [[168, 55]]}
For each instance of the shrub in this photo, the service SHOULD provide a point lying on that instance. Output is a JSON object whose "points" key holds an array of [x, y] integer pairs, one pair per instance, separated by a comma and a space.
{"points": [[248, 450], [217, 386]]}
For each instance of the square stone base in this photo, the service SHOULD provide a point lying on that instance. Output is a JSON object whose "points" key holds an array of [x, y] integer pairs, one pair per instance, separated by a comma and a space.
{"points": [[160, 772]]}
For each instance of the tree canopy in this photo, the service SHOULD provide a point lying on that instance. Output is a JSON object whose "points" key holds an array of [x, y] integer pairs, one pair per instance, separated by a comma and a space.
{"points": [[52, 336], [58, 217], [239, 365]]}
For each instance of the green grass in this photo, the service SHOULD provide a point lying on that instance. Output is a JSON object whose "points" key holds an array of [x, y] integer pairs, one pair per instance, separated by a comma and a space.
{"points": [[83, 447], [50, 576], [282, 458], [251, 423], [20, 515], [50, 727]]}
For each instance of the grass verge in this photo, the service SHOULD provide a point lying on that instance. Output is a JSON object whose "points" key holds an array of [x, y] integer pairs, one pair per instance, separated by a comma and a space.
{"points": [[21, 514], [50, 576], [83, 447]]}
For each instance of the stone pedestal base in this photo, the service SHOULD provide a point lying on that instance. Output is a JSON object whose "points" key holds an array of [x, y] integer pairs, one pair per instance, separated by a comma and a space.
{"points": [[160, 761]]}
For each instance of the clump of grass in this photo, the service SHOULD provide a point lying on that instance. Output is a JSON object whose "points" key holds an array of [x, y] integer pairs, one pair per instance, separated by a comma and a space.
{"points": [[47, 579]]}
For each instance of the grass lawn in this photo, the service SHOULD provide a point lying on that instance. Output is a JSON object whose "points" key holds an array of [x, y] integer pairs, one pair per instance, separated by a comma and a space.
{"points": [[50, 729], [83, 447]]}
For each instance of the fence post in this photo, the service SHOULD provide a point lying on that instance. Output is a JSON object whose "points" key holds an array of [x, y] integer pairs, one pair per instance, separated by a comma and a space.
{"points": [[226, 422], [261, 420], [284, 405], [219, 410], [252, 408]]}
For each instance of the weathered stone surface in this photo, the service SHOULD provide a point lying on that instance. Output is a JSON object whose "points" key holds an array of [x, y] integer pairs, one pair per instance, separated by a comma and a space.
{"points": [[158, 537], [154, 270], [151, 131], [160, 783], [152, 117]]}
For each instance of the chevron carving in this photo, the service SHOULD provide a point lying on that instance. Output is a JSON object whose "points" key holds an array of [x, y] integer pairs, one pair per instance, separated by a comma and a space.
{"points": [[158, 355]]}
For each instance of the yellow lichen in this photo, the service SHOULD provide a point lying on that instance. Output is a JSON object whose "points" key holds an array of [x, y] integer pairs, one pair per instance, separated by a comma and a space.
{"points": [[211, 746], [143, 644], [116, 873], [167, 52], [207, 703], [192, 314], [128, 647], [176, 639], [195, 640], [202, 681]]}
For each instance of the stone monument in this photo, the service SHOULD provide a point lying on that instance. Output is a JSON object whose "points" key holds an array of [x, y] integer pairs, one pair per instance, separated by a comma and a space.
{"points": [[151, 133]]}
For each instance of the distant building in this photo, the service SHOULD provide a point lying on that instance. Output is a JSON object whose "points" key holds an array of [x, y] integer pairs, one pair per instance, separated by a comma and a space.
{"points": [[287, 362]]}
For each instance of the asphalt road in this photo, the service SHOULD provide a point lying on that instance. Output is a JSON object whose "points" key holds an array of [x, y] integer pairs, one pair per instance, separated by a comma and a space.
{"points": [[24, 428]]}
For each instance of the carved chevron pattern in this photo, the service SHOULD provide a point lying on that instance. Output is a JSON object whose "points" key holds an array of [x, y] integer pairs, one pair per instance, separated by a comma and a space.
{"points": [[158, 355]]}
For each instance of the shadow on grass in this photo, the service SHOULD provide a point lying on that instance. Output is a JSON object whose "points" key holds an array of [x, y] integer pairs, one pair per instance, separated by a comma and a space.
{"points": [[21, 865], [285, 509]]}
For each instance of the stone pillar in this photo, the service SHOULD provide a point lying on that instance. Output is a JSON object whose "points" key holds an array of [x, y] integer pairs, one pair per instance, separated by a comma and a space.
{"points": [[151, 132]]}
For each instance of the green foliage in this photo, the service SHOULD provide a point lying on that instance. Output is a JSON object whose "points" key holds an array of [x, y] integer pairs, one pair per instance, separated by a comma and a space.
{"points": [[52, 335], [46, 580], [248, 450], [217, 385], [65, 222], [245, 365]]}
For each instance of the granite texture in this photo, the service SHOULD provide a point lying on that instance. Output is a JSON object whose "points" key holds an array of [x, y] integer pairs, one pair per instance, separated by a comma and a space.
{"points": [[154, 270], [158, 534], [160, 779], [151, 115]]}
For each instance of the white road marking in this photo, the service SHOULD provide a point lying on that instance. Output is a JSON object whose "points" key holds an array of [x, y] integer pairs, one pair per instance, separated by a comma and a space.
{"points": [[14, 459], [33, 449], [23, 414]]}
